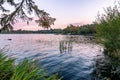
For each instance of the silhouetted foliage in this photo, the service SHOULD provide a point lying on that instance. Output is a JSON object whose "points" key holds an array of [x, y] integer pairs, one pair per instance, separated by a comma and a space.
{"points": [[22, 10]]}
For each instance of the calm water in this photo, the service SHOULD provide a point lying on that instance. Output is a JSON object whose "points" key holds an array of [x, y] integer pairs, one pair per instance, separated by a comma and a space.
{"points": [[73, 57]]}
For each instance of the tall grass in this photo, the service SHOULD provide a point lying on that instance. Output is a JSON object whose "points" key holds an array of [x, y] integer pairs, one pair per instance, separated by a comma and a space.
{"points": [[25, 70], [6, 67]]}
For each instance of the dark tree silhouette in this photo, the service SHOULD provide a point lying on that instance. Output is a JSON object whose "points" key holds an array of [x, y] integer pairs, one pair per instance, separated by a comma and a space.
{"points": [[22, 10]]}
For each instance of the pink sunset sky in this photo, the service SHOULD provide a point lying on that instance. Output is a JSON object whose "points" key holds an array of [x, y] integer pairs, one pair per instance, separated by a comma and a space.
{"points": [[68, 12]]}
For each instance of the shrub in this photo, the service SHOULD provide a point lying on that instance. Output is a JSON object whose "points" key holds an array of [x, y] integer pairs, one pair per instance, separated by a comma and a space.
{"points": [[108, 30]]}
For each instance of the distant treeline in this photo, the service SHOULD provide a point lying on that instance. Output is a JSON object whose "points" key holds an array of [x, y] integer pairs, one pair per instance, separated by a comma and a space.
{"points": [[88, 29]]}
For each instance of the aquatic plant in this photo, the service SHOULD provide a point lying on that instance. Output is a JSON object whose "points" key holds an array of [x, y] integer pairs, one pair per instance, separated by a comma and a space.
{"points": [[65, 46]]}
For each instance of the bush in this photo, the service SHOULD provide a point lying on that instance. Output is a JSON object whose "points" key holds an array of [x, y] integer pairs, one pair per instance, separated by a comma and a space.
{"points": [[108, 31], [25, 70]]}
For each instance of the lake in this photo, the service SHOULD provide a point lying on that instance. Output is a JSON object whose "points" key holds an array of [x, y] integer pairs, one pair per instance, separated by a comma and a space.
{"points": [[71, 56]]}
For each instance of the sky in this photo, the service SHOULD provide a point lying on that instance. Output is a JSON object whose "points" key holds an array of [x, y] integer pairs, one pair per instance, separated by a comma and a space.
{"points": [[77, 12]]}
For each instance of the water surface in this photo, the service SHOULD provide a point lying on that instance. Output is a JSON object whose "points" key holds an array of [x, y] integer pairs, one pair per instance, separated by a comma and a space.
{"points": [[72, 56]]}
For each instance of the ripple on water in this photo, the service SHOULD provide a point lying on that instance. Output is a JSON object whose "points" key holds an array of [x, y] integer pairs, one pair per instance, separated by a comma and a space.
{"points": [[54, 54]]}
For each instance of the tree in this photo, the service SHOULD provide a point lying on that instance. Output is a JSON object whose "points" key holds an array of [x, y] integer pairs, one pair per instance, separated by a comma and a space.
{"points": [[71, 29], [108, 30], [22, 10]]}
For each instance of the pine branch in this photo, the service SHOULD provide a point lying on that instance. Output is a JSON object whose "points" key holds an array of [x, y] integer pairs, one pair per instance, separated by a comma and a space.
{"points": [[22, 10]]}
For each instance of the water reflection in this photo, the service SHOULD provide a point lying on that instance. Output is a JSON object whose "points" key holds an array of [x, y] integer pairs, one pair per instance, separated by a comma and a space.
{"points": [[79, 39], [78, 65], [65, 46], [106, 68]]}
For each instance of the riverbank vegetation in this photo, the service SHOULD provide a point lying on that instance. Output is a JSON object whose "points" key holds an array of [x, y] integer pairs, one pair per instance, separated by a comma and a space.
{"points": [[106, 68], [25, 70], [88, 29], [108, 31], [108, 34]]}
